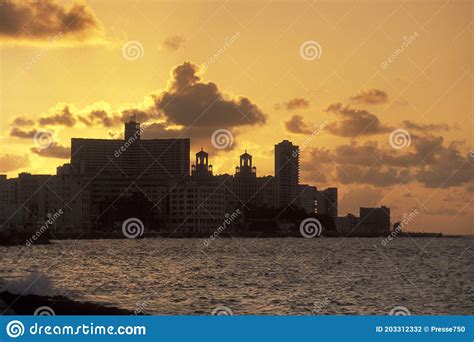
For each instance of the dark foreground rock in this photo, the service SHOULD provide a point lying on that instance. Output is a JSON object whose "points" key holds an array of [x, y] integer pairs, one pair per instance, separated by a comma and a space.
{"points": [[28, 304]]}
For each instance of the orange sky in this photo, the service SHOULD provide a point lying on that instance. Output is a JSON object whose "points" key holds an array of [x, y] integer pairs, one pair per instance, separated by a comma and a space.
{"points": [[50, 61]]}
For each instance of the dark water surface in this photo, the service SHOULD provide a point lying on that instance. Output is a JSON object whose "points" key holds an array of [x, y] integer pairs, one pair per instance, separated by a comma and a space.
{"points": [[252, 276]]}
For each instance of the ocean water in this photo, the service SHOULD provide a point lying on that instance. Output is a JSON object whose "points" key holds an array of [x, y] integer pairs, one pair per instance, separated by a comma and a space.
{"points": [[284, 276]]}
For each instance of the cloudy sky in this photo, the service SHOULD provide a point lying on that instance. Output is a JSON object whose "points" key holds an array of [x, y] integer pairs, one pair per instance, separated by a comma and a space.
{"points": [[378, 95]]}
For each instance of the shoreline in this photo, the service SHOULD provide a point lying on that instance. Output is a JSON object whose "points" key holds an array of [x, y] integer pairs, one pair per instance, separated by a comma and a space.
{"points": [[22, 239]]}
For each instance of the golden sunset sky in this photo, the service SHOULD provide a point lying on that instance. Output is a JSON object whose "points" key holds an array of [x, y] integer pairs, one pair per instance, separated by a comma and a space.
{"points": [[380, 66]]}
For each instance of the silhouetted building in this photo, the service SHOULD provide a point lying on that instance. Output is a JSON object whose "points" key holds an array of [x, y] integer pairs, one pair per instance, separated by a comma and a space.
{"points": [[245, 180], [109, 181], [286, 172], [25, 200], [202, 168], [347, 225], [374, 221], [327, 202], [195, 208], [132, 157], [307, 198]]}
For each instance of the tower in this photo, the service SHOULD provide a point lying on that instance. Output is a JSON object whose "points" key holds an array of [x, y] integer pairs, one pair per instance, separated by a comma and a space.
{"points": [[132, 130], [201, 167], [287, 164], [245, 167]]}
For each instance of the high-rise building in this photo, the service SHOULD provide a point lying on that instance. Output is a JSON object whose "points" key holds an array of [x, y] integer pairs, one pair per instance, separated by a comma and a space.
{"points": [[286, 173], [326, 202], [374, 221], [307, 198], [132, 157]]}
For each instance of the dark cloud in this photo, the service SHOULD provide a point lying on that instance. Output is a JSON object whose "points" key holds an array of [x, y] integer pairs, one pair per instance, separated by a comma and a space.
{"points": [[22, 121], [296, 103], [159, 130], [374, 175], [188, 108], [39, 20], [12, 162], [447, 167], [103, 118], [24, 134], [200, 136], [354, 122], [63, 118], [189, 101], [297, 125], [370, 96], [427, 161], [98, 117], [53, 151], [425, 127], [173, 43]]}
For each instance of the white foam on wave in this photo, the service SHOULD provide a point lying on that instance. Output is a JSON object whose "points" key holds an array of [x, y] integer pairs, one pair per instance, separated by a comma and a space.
{"points": [[34, 283]]}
